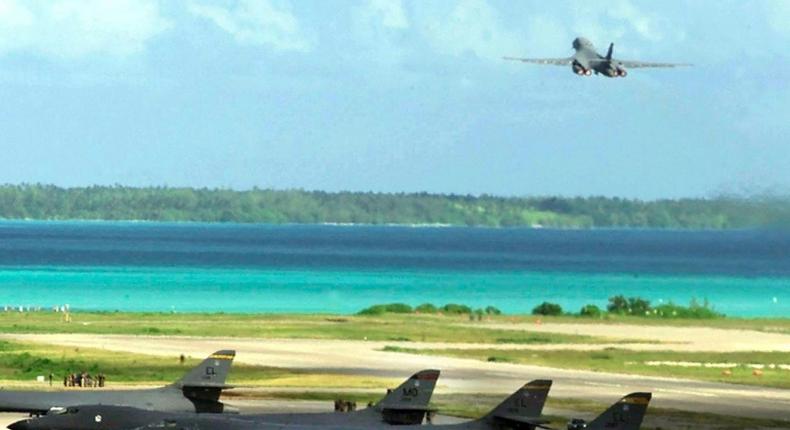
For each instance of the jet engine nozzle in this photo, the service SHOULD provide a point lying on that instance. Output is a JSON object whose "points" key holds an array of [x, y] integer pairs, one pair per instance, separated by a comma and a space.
{"points": [[580, 70]]}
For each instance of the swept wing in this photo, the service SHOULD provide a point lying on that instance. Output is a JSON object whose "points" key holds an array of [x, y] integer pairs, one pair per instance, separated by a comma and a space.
{"points": [[547, 61], [645, 64]]}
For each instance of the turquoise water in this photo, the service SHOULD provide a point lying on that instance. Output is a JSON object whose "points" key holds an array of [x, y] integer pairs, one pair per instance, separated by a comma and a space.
{"points": [[239, 268], [236, 290]]}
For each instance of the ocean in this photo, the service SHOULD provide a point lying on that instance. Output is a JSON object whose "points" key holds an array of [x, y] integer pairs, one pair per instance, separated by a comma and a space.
{"points": [[198, 267]]}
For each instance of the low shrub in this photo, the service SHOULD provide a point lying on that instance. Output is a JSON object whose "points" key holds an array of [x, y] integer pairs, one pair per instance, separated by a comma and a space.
{"points": [[547, 308], [426, 308], [456, 309], [393, 308], [591, 311]]}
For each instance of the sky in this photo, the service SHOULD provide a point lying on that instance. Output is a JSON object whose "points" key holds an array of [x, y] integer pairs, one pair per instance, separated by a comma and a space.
{"points": [[395, 96]]}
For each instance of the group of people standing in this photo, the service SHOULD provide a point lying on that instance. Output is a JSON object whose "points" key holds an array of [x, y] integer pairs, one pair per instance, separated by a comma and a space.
{"points": [[84, 379]]}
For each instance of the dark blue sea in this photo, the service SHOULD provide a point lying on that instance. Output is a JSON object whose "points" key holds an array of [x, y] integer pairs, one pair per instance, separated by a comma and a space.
{"points": [[324, 268]]}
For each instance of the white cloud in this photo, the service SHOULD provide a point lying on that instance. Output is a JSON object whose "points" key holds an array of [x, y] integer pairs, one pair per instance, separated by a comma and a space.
{"points": [[474, 26], [645, 25], [258, 23], [68, 29], [778, 12], [389, 12]]}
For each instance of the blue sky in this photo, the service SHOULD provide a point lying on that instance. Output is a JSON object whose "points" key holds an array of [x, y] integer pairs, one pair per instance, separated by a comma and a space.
{"points": [[395, 96]]}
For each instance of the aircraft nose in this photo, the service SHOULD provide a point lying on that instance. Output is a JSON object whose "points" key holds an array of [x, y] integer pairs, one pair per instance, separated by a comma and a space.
{"points": [[20, 425]]}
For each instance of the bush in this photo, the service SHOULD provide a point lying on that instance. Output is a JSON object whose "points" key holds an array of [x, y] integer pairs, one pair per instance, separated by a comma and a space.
{"points": [[394, 308], [693, 311], [491, 310], [630, 306], [590, 311], [547, 308], [426, 308], [639, 306], [456, 309], [617, 304], [498, 359]]}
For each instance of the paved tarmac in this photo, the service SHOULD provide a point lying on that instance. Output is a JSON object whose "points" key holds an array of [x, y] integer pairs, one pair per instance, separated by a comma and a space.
{"points": [[458, 375]]}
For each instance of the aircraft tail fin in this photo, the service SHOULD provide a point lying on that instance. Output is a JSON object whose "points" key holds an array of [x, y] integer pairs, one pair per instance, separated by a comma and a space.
{"points": [[414, 393], [525, 405], [408, 404], [609, 52], [626, 414], [211, 372]]}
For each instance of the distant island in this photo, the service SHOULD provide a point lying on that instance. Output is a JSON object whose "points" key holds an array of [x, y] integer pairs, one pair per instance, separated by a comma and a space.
{"points": [[48, 202]]}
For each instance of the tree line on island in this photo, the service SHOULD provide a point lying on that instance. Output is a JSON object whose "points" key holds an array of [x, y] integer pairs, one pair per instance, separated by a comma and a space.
{"points": [[618, 306], [48, 202]]}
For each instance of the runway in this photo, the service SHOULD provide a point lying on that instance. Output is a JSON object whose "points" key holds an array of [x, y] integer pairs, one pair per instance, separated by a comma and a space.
{"points": [[458, 375]]}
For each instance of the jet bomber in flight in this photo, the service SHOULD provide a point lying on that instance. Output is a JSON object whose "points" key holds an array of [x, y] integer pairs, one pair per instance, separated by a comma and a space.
{"points": [[586, 60]]}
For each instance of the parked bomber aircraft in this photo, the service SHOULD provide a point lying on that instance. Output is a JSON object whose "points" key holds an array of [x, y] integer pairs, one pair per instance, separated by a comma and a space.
{"points": [[406, 404], [197, 391], [586, 61], [626, 414], [519, 412]]}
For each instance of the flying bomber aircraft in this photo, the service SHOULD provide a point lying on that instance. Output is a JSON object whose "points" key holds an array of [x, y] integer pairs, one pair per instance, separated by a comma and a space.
{"points": [[197, 391], [586, 60], [520, 410]]}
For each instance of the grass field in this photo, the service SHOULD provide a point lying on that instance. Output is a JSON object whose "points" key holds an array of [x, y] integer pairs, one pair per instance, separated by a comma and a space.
{"points": [[625, 361], [21, 362], [390, 327], [414, 327], [24, 362], [770, 325], [424, 328]]}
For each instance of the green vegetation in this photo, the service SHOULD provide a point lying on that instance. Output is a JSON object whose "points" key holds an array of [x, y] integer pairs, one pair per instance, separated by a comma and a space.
{"points": [[628, 306], [637, 306], [768, 325], [426, 308], [394, 308], [47, 202], [392, 327], [681, 364], [429, 308], [23, 361], [618, 305], [591, 311], [456, 309], [491, 310], [547, 308]]}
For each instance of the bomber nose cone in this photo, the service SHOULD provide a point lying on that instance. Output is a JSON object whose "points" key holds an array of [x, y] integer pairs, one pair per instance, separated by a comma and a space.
{"points": [[20, 425]]}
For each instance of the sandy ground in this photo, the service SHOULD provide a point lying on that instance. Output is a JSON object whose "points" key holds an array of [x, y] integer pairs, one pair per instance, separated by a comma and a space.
{"points": [[670, 338], [458, 375]]}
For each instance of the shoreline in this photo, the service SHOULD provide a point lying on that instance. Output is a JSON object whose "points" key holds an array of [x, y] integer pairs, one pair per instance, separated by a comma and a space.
{"points": [[175, 223]]}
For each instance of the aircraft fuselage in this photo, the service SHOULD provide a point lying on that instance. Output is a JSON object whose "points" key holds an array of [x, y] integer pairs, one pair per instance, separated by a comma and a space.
{"points": [[587, 61]]}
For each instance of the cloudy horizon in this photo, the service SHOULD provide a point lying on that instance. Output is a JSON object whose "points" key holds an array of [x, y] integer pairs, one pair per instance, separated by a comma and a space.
{"points": [[394, 96]]}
